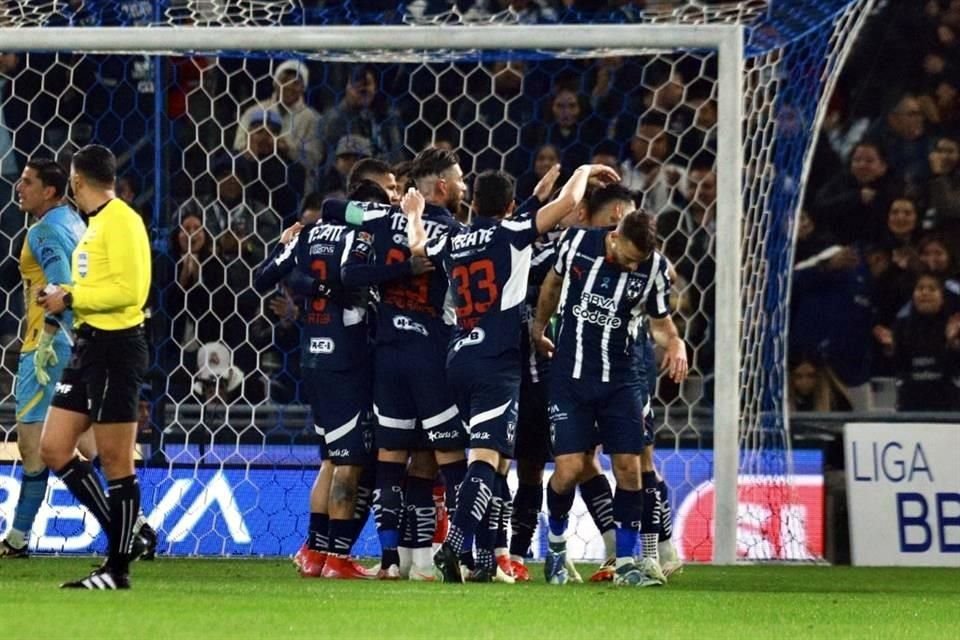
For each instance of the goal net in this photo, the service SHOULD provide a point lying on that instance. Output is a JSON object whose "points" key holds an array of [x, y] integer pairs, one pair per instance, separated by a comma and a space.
{"points": [[227, 114]]}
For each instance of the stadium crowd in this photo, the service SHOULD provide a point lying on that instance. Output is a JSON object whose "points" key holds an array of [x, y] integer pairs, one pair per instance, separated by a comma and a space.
{"points": [[880, 208]]}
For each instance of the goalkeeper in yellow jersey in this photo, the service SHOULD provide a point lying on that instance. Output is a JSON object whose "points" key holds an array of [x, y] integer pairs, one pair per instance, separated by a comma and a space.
{"points": [[109, 281]]}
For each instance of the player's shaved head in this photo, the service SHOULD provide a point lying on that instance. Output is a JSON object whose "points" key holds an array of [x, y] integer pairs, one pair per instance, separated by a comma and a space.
{"points": [[97, 164]]}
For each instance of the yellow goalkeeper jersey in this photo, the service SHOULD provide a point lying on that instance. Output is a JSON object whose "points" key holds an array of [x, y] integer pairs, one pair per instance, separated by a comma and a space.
{"points": [[111, 269]]}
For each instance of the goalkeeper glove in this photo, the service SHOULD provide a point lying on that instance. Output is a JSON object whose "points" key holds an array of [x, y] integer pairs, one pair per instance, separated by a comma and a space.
{"points": [[44, 357]]}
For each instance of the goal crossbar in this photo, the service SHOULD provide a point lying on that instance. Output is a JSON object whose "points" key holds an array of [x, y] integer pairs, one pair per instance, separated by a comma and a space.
{"points": [[726, 39]]}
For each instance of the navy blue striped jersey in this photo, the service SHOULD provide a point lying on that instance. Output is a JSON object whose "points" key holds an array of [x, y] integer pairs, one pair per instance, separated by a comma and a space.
{"points": [[602, 305], [411, 307], [488, 263], [535, 365], [335, 334]]}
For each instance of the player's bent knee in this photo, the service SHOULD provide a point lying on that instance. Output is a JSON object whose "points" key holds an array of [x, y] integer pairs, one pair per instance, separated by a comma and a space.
{"points": [[529, 472], [626, 471], [489, 456], [423, 464], [568, 470]]}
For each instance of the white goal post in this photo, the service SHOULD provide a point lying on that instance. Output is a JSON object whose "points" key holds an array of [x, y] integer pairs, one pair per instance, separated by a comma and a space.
{"points": [[411, 41]]}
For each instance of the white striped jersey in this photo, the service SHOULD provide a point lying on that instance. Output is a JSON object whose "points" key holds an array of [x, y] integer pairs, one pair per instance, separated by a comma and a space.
{"points": [[487, 263], [602, 305]]}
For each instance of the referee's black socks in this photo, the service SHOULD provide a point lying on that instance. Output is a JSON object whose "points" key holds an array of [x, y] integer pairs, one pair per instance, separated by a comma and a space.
{"points": [[83, 483], [124, 500]]}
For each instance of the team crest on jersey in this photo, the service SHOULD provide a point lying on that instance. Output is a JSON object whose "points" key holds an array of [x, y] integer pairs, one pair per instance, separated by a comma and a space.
{"points": [[635, 287]]}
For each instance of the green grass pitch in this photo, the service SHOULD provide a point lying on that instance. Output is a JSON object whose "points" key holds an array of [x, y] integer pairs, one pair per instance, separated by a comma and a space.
{"points": [[178, 598]]}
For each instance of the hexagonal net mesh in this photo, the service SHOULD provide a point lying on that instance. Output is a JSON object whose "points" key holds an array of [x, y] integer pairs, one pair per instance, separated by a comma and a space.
{"points": [[219, 150]]}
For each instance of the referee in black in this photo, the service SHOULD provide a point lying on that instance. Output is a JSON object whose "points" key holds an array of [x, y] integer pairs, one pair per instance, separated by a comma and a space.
{"points": [[110, 274]]}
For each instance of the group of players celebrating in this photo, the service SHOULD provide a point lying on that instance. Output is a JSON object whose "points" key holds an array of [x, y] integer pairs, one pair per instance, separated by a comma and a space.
{"points": [[525, 334]]}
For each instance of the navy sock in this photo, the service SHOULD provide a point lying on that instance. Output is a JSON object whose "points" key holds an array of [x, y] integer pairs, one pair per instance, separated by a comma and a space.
{"points": [[420, 512], [666, 512], [506, 510], [489, 524], [598, 496], [523, 521], [473, 499], [124, 501], [341, 534], [627, 509], [650, 516], [387, 505], [84, 485], [33, 488], [453, 475], [558, 510], [317, 539], [364, 502]]}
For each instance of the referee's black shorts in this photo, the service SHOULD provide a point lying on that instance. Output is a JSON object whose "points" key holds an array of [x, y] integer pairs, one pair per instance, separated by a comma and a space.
{"points": [[104, 375]]}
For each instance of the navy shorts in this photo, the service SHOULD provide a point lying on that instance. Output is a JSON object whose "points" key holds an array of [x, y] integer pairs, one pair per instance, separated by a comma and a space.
{"points": [[413, 406], [341, 403], [487, 392], [533, 423], [583, 415]]}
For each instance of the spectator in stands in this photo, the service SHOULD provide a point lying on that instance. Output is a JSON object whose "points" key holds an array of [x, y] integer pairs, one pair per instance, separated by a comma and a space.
{"points": [[937, 258], [852, 207], [217, 380], [903, 231], [570, 127], [647, 170], [364, 112], [943, 200], [905, 141], [607, 153], [830, 309], [813, 387], [686, 231], [350, 149], [299, 136], [546, 157], [230, 203], [263, 171], [925, 344]]}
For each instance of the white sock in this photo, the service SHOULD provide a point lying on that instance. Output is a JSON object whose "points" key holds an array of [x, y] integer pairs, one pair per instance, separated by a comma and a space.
{"points": [[650, 549], [406, 560], [610, 542], [423, 559]]}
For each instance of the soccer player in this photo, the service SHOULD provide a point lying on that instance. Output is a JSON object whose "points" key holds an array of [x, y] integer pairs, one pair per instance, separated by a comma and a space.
{"points": [[414, 411], [376, 171], [336, 355], [488, 264], [603, 207], [100, 386], [45, 258], [603, 280]]}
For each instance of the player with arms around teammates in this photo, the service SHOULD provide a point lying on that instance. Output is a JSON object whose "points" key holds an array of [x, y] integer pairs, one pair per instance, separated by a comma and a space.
{"points": [[416, 417], [100, 387], [604, 281], [488, 264]]}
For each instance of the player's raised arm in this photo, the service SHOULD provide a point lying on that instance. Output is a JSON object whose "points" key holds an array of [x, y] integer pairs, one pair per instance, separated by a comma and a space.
{"points": [[413, 204], [572, 193]]}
